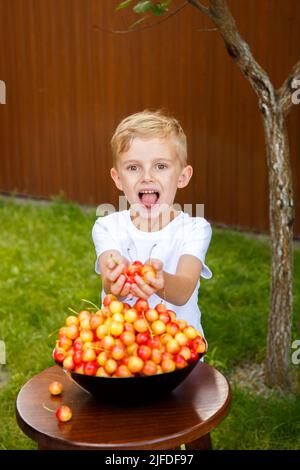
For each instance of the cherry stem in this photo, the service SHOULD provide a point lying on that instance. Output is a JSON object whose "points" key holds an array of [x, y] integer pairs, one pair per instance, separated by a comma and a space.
{"points": [[155, 244], [73, 311], [97, 348], [114, 260], [164, 295], [48, 409], [130, 257], [92, 303], [51, 334], [149, 327]]}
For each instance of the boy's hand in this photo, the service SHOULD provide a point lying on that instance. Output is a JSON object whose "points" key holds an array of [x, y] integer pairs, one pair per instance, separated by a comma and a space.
{"points": [[144, 290], [115, 266]]}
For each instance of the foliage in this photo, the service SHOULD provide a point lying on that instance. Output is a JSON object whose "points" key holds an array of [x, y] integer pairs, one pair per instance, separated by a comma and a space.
{"points": [[48, 265], [148, 6]]}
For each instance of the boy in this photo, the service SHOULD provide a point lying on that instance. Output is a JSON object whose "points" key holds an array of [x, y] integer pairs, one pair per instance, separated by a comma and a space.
{"points": [[149, 165]]}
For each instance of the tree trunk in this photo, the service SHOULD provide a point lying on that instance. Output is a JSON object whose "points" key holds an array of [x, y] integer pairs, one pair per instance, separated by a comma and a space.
{"points": [[274, 106], [281, 217]]}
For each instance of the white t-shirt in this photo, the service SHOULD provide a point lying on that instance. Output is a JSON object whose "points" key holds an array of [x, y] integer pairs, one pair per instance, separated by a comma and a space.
{"points": [[183, 235]]}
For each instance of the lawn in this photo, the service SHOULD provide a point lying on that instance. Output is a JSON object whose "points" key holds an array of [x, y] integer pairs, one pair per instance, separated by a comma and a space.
{"points": [[47, 259]]}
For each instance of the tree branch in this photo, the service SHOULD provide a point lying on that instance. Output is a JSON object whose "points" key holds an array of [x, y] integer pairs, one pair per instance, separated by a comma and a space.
{"points": [[205, 30], [200, 7], [239, 51], [284, 93], [130, 30]]}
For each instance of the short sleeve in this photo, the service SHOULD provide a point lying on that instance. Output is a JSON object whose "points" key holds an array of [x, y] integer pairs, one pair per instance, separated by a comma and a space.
{"points": [[102, 239], [197, 240]]}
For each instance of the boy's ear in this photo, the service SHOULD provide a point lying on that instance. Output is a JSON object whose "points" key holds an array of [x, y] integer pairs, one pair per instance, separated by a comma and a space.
{"points": [[115, 176], [185, 176]]}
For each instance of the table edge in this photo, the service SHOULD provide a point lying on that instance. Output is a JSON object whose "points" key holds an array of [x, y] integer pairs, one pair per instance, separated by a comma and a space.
{"points": [[172, 440]]}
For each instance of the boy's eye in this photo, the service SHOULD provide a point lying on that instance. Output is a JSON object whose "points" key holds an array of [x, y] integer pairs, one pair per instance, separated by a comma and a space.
{"points": [[161, 166]]}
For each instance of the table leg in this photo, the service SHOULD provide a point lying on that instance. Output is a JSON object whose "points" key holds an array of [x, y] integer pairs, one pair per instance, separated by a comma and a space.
{"points": [[203, 443]]}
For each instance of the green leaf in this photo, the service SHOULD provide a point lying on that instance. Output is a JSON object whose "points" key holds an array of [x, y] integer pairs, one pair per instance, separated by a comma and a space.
{"points": [[123, 4], [159, 8], [143, 7]]}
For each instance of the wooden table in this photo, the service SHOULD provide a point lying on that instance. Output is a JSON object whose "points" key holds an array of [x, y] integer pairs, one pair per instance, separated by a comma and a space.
{"points": [[187, 415]]}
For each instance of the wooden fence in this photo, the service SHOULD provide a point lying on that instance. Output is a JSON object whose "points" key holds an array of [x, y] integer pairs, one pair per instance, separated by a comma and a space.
{"points": [[70, 80]]}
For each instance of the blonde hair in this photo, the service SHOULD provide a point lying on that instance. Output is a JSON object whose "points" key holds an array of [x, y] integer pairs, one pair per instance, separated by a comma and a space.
{"points": [[148, 124]]}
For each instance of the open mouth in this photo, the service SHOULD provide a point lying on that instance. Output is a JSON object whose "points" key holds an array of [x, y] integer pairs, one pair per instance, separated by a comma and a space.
{"points": [[148, 197]]}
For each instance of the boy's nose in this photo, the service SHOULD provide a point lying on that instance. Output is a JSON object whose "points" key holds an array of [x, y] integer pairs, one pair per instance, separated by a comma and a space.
{"points": [[147, 175], [147, 179]]}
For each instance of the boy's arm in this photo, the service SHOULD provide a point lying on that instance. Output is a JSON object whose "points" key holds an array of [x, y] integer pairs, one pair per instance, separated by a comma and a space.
{"points": [[174, 288], [179, 287]]}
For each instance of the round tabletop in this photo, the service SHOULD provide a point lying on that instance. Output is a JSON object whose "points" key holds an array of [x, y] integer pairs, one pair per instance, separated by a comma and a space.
{"points": [[186, 415]]}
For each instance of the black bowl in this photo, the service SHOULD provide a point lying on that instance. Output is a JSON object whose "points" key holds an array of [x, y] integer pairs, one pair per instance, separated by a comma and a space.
{"points": [[132, 390]]}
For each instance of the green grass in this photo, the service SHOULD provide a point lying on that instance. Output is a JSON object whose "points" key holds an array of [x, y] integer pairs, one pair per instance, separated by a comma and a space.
{"points": [[47, 265]]}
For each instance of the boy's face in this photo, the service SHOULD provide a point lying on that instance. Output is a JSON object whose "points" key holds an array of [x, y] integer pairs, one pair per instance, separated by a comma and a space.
{"points": [[150, 172]]}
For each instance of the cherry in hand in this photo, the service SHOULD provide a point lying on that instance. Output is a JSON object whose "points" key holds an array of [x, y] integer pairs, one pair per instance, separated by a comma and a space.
{"points": [[140, 269]]}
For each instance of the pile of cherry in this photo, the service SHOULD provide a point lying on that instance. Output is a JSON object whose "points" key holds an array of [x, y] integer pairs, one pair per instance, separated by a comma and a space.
{"points": [[120, 340], [123, 341]]}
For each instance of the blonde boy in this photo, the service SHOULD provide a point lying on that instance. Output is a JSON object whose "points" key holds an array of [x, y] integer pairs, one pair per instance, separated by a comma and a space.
{"points": [[149, 166]]}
